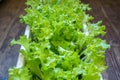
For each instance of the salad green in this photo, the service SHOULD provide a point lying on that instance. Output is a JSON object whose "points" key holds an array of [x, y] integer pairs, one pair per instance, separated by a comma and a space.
{"points": [[63, 42]]}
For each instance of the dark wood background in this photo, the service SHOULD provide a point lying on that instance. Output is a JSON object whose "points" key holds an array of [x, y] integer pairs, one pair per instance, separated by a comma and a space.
{"points": [[106, 10], [109, 12], [9, 28]]}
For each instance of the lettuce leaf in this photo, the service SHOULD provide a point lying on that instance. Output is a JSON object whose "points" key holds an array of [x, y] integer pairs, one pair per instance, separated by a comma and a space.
{"points": [[63, 43]]}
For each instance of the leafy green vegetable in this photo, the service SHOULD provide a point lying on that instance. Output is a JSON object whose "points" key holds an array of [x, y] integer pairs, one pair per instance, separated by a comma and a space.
{"points": [[19, 74], [63, 43]]}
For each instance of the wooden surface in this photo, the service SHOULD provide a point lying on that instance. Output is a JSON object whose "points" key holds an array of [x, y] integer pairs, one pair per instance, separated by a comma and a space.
{"points": [[106, 10], [9, 28], [109, 12]]}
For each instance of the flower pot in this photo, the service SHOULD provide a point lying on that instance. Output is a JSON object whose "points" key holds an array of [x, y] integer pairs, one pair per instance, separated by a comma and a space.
{"points": [[20, 61]]}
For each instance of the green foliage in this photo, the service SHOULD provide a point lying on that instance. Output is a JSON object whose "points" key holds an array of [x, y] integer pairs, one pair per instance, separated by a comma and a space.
{"points": [[63, 43], [19, 74]]}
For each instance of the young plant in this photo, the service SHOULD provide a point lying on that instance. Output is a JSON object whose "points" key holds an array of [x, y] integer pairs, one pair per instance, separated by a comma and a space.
{"points": [[63, 43]]}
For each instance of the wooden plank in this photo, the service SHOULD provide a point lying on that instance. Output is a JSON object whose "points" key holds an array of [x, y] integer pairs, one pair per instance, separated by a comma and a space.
{"points": [[109, 12], [9, 13], [9, 28]]}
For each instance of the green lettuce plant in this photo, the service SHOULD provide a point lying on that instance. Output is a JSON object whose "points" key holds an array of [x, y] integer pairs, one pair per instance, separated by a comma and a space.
{"points": [[63, 42]]}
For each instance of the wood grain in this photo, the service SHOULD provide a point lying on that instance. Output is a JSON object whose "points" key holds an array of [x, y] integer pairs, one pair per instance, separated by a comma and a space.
{"points": [[9, 28], [109, 12]]}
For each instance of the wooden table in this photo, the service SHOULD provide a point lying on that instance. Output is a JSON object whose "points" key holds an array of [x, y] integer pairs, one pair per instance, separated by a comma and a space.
{"points": [[9, 28], [109, 12]]}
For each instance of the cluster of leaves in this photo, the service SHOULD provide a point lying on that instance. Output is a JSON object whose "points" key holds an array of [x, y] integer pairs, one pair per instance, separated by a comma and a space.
{"points": [[63, 43]]}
